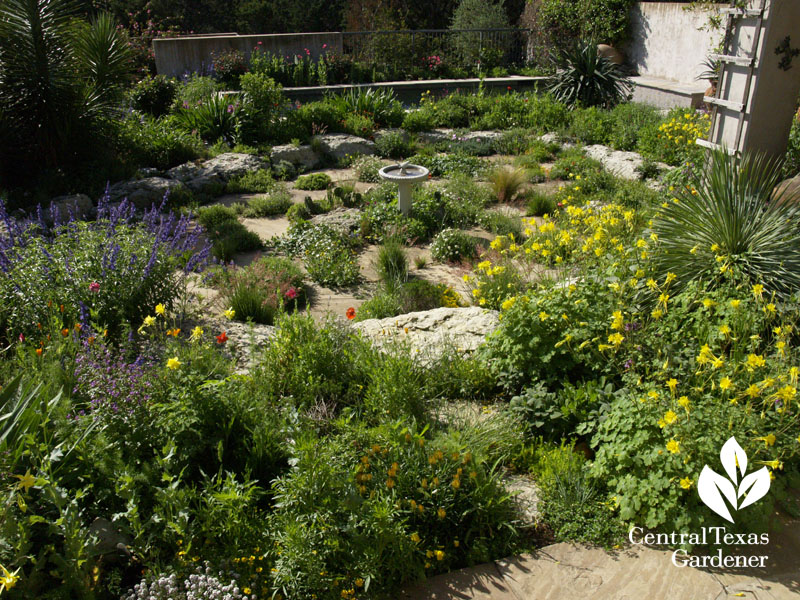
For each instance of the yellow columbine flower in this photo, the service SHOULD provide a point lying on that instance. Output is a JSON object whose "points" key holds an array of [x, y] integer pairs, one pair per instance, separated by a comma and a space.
{"points": [[708, 303], [197, 333], [769, 440], [753, 391], [657, 314], [230, 313], [724, 330], [686, 483], [148, 321], [758, 290], [672, 384], [441, 513], [26, 481], [543, 316], [670, 278], [415, 538], [735, 303], [674, 446], [725, 384], [8, 580], [439, 555], [786, 393], [173, 363], [755, 360], [670, 417], [161, 309], [683, 401], [616, 338]]}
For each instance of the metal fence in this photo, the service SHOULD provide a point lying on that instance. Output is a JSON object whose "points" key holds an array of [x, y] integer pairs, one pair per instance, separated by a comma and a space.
{"points": [[438, 49]]}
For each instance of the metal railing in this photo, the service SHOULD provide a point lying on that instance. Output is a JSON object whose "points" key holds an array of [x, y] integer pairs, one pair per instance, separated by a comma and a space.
{"points": [[432, 49]]}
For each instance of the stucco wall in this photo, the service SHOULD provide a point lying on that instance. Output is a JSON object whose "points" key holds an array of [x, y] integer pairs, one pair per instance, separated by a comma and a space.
{"points": [[177, 56], [667, 41]]}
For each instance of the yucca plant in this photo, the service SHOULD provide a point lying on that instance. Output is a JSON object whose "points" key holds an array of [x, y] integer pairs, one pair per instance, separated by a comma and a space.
{"points": [[382, 106], [732, 220], [507, 183], [214, 118], [584, 78]]}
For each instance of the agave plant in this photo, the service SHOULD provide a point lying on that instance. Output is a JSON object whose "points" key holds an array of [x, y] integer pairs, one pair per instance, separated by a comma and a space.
{"points": [[381, 105], [584, 78], [733, 220]]}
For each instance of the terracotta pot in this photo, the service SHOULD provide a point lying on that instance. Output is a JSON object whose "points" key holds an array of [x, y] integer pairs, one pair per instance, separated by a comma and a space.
{"points": [[711, 92], [611, 53]]}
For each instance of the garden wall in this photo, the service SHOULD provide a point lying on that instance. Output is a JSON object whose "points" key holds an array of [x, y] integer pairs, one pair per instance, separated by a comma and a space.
{"points": [[667, 41], [177, 56]]}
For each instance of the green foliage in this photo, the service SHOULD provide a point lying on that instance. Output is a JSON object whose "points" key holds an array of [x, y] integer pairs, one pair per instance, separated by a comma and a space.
{"points": [[630, 119], [228, 236], [262, 105], [253, 182], [673, 141], [540, 204], [584, 78], [298, 212], [329, 257], [574, 162], [507, 183], [273, 205], [366, 169], [452, 245], [729, 221], [567, 21], [514, 141], [60, 81], [380, 105], [529, 344], [392, 263], [313, 181], [592, 125], [394, 144], [262, 289], [791, 164], [419, 120], [546, 114], [150, 142], [426, 517], [475, 14], [501, 223], [447, 165], [214, 118], [195, 89], [154, 95]]}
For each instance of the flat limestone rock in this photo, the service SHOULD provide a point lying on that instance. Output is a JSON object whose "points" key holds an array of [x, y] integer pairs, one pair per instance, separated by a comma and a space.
{"points": [[340, 145], [303, 155], [619, 163], [430, 332]]}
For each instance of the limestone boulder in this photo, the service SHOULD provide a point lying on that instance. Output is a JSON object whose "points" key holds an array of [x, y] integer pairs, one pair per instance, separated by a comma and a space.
{"points": [[429, 333], [344, 220], [210, 176], [339, 145], [61, 208], [619, 163], [143, 193], [302, 156]]}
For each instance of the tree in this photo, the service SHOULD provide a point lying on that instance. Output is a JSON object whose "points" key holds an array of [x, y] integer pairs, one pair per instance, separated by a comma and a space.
{"points": [[479, 14]]}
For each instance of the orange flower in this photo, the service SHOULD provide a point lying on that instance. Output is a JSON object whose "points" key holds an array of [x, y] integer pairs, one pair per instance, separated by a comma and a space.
{"points": [[38, 352], [222, 338], [65, 332], [77, 326], [351, 313], [91, 340], [173, 332]]}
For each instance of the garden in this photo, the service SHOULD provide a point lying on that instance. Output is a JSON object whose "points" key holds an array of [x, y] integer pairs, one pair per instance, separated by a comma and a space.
{"points": [[219, 377]]}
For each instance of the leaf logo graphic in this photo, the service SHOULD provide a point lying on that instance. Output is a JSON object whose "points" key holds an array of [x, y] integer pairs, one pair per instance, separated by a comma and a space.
{"points": [[714, 489]]}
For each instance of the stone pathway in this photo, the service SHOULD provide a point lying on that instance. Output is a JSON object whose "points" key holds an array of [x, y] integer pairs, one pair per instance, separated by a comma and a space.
{"points": [[577, 572]]}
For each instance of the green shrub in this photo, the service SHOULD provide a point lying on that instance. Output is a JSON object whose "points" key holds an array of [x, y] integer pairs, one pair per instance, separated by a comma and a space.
{"points": [[252, 182], [540, 151], [154, 95], [448, 165], [381, 106], [392, 263], [540, 204], [546, 115], [501, 223], [262, 289], [277, 203], [330, 261], [567, 21], [313, 181], [406, 526], [635, 194], [382, 305], [194, 90], [574, 162], [526, 347], [673, 140], [283, 170], [730, 221], [452, 245], [514, 141], [359, 125], [592, 125], [319, 116], [298, 212], [630, 119], [584, 78], [419, 120], [394, 144], [366, 169], [227, 235], [262, 105], [157, 143], [419, 294]]}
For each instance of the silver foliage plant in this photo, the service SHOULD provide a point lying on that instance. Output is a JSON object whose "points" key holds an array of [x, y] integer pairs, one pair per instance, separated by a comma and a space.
{"points": [[202, 585]]}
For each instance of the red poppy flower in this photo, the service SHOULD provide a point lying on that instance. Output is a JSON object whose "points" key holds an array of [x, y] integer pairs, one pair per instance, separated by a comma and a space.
{"points": [[351, 313], [222, 337], [94, 287], [291, 293]]}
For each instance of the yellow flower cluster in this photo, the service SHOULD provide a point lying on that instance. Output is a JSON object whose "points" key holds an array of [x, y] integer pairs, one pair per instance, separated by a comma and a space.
{"points": [[684, 129]]}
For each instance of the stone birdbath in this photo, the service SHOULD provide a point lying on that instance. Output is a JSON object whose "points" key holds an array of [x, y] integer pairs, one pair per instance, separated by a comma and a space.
{"points": [[404, 174]]}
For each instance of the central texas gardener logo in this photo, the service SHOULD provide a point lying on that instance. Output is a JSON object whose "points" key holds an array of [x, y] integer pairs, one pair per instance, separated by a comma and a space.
{"points": [[714, 489]]}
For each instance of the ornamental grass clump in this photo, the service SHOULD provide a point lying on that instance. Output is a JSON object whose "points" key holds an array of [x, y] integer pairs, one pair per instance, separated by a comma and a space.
{"points": [[507, 183], [731, 219]]}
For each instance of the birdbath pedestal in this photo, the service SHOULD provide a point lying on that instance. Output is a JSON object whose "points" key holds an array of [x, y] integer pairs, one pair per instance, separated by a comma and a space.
{"points": [[404, 175]]}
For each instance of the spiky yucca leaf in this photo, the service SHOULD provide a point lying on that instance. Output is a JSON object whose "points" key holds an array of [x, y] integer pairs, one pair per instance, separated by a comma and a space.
{"points": [[584, 78], [733, 221]]}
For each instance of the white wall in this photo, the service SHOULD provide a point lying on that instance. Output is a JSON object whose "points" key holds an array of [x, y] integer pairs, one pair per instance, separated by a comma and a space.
{"points": [[667, 41]]}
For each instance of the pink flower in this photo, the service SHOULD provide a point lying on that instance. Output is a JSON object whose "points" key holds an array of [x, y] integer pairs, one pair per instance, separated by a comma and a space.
{"points": [[291, 293], [230, 108], [21, 337], [94, 287], [324, 46]]}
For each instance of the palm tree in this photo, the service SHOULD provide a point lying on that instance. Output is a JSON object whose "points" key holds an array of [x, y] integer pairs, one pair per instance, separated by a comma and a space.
{"points": [[57, 77]]}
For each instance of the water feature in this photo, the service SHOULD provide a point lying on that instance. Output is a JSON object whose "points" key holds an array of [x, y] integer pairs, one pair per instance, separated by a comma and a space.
{"points": [[404, 175]]}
